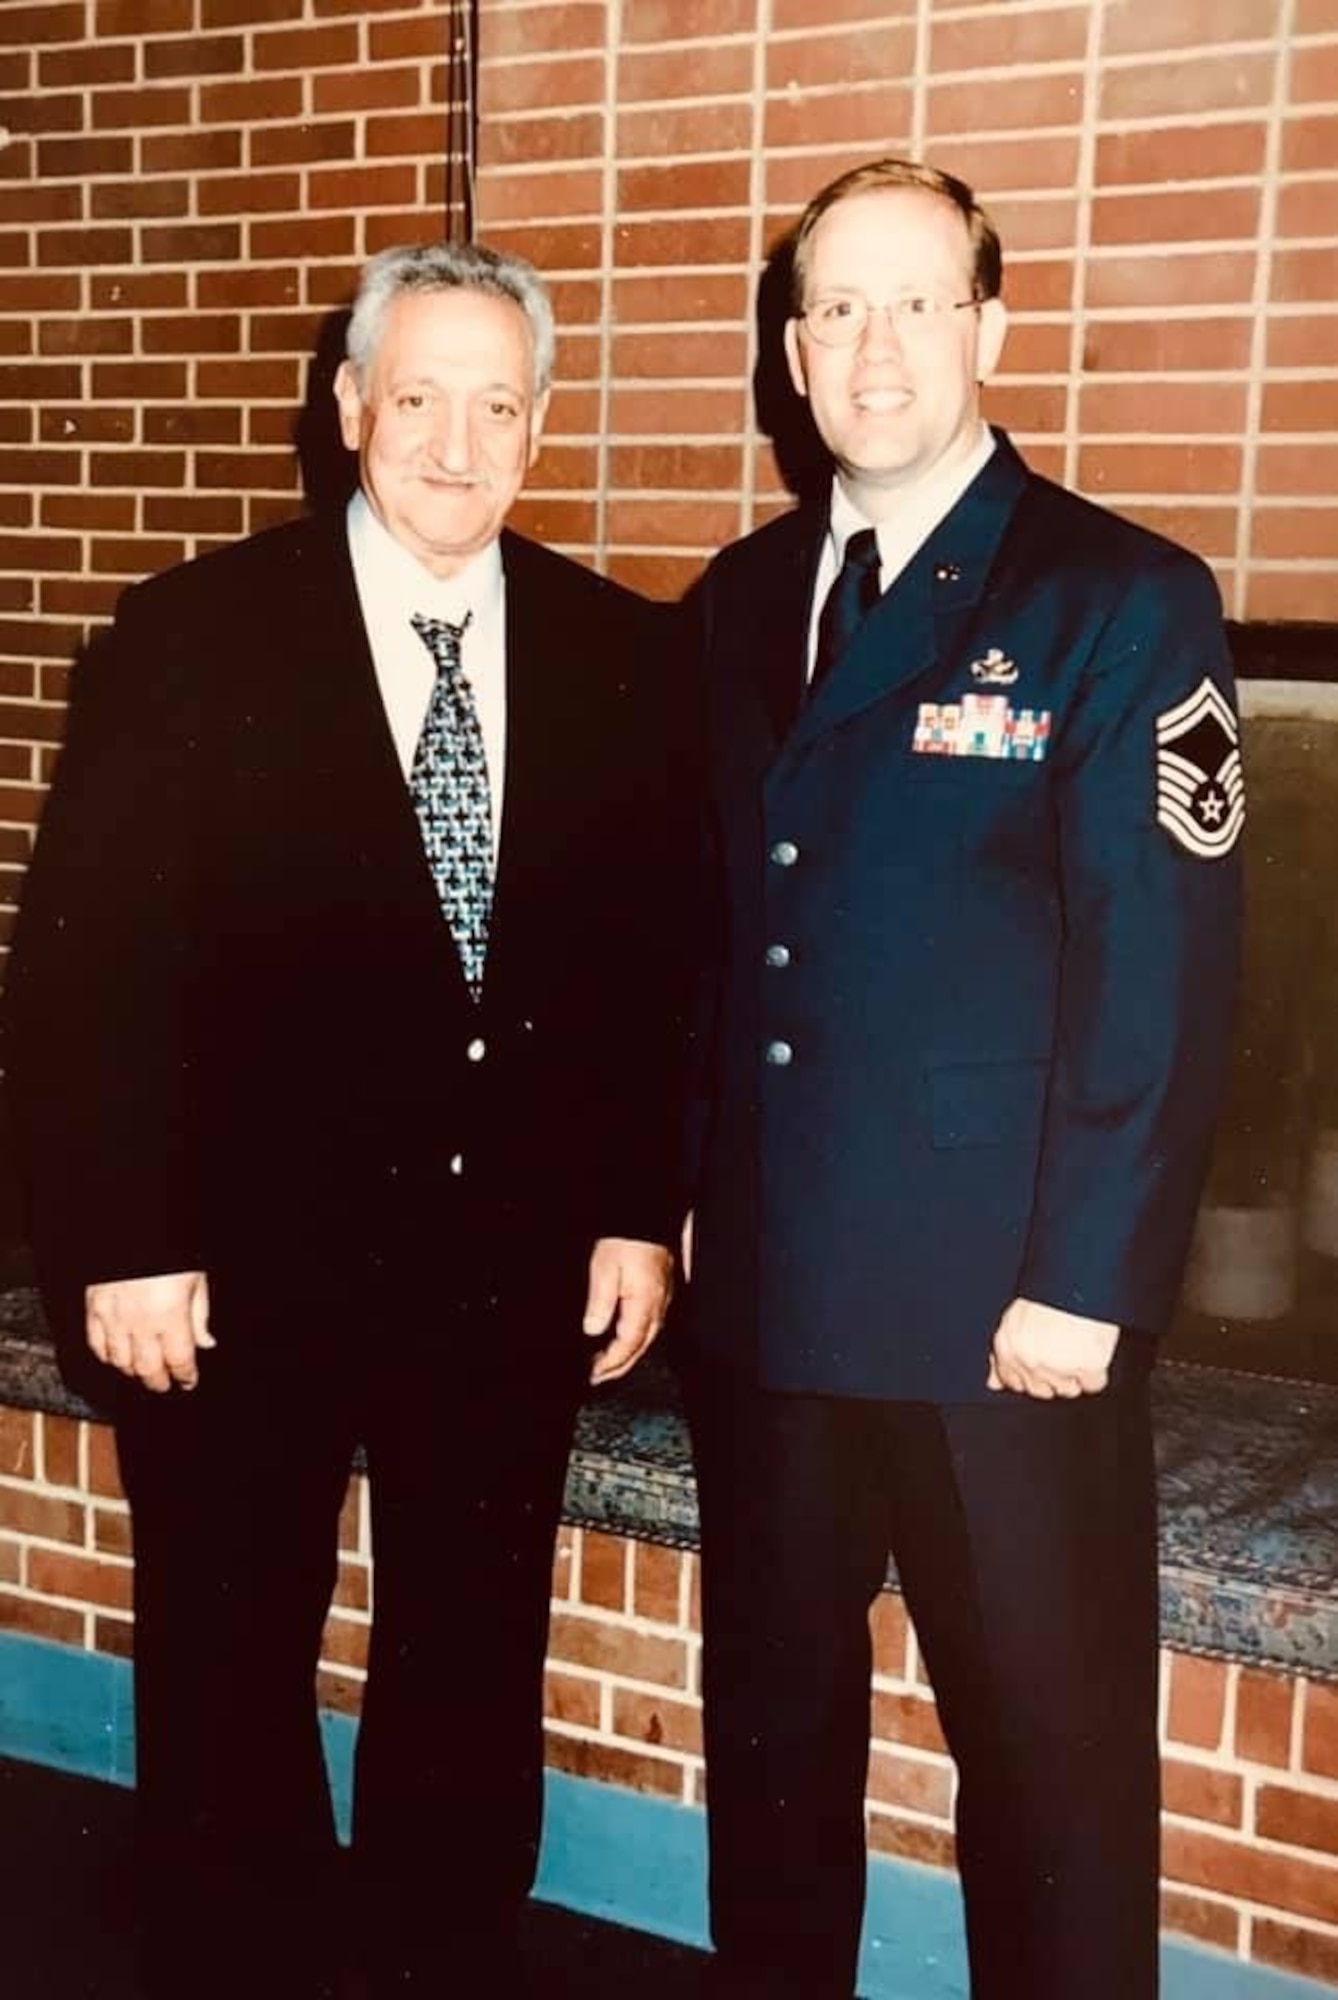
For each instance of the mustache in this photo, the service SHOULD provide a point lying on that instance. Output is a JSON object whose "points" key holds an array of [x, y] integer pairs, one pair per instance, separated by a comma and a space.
{"points": [[441, 476]]}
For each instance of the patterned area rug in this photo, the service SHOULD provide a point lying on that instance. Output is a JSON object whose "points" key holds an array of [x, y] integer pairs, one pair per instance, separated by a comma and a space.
{"points": [[1248, 1474]]}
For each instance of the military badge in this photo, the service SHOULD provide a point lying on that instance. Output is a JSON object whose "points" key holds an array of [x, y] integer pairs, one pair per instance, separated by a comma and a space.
{"points": [[1200, 785], [994, 669]]}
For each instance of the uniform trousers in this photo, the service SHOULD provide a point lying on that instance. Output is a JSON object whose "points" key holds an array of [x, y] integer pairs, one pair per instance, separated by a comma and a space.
{"points": [[235, 1492], [1024, 1536]]}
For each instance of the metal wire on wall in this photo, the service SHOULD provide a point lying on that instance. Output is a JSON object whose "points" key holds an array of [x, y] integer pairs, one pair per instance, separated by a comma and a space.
{"points": [[461, 117]]}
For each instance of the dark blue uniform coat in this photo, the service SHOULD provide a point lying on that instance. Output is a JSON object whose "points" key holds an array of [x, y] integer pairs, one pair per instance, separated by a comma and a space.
{"points": [[976, 956]]}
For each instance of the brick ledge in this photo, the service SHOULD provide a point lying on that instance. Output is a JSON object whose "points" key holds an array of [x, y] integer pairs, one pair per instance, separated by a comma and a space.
{"points": [[1248, 1467]]}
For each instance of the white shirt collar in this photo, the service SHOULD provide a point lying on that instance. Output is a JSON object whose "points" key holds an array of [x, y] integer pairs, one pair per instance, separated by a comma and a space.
{"points": [[390, 577], [392, 585], [926, 505]]}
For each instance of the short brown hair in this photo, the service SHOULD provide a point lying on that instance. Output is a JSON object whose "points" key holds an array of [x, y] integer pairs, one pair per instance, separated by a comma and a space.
{"points": [[986, 254]]}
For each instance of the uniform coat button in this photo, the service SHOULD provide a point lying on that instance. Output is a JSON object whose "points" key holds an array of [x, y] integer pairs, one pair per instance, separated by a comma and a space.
{"points": [[779, 1054], [784, 853], [477, 1049], [457, 1163], [778, 954]]}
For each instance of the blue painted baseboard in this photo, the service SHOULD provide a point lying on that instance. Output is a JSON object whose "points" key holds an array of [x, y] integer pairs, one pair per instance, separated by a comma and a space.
{"points": [[607, 1852]]}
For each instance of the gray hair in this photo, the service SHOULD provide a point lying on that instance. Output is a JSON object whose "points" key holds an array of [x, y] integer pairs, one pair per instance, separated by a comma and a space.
{"points": [[444, 267]]}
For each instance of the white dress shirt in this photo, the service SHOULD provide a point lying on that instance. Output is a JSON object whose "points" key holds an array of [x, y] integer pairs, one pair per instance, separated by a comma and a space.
{"points": [[899, 538], [392, 586]]}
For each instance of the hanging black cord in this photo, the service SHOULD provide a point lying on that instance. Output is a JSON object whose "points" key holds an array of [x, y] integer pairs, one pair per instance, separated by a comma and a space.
{"points": [[461, 118]]}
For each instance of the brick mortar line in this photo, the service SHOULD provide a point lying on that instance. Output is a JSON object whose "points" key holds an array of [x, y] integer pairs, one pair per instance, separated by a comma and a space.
{"points": [[1250, 1770], [624, 1621], [1296, 1745], [1254, 1913], [1119, 63], [1167, 249], [1249, 1840], [751, 438], [32, 1595], [908, 1815], [1264, 259], [616, 1682], [711, 155]]}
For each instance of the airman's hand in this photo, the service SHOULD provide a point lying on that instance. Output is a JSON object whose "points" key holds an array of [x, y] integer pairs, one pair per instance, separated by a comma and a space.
{"points": [[1044, 1351]]}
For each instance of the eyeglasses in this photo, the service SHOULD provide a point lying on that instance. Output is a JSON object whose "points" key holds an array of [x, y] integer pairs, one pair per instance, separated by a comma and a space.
{"points": [[840, 318]]}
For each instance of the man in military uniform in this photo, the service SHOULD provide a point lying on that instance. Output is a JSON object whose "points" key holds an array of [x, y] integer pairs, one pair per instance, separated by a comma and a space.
{"points": [[976, 796]]}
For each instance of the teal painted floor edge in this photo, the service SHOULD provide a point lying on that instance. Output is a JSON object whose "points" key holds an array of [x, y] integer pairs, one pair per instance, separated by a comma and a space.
{"points": [[609, 1853]]}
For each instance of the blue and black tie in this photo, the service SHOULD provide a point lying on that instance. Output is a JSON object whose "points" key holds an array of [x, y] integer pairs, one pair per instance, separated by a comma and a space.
{"points": [[448, 783]]}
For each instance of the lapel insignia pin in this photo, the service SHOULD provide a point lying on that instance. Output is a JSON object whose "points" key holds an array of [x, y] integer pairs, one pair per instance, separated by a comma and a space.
{"points": [[995, 669], [947, 572]]}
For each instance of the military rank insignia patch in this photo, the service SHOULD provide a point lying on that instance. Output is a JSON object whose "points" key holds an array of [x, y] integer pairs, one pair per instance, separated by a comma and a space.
{"points": [[1200, 785]]}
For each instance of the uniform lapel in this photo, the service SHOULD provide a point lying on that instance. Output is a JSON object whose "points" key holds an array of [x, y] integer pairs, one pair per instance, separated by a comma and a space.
{"points": [[905, 634], [784, 616]]}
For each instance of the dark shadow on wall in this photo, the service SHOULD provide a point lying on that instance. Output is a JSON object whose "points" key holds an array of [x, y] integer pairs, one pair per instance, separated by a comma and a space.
{"points": [[782, 413], [329, 470]]}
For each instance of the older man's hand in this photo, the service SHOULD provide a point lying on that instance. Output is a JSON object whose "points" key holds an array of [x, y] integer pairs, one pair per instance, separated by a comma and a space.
{"points": [[630, 1287], [152, 1329]]}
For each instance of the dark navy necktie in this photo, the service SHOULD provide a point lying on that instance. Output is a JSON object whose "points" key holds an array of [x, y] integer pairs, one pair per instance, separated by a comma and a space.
{"points": [[849, 601], [448, 783]]}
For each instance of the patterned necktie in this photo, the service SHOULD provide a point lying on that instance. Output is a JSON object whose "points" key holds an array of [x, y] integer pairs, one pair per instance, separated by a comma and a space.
{"points": [[849, 602], [449, 787]]}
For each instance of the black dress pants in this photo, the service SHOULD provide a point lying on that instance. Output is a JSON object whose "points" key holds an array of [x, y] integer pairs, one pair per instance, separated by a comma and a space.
{"points": [[1025, 1538], [235, 1493]]}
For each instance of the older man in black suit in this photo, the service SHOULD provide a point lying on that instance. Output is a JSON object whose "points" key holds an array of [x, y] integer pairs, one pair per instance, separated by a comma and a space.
{"points": [[345, 1041]]}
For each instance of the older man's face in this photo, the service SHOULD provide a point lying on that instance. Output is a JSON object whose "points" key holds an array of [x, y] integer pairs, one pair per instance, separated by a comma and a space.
{"points": [[447, 423]]}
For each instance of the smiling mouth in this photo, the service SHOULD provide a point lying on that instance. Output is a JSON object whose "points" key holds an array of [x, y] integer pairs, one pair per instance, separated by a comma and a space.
{"points": [[879, 401]]}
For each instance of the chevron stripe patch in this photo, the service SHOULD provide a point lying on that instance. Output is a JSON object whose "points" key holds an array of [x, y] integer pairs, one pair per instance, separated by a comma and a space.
{"points": [[1200, 784]]}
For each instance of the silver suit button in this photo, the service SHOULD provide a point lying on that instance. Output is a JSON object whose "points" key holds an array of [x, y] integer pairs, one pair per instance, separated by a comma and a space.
{"points": [[457, 1163], [477, 1049], [784, 853], [779, 1054], [778, 954]]}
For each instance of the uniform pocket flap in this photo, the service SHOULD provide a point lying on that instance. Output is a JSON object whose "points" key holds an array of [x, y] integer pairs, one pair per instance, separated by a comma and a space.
{"points": [[986, 1104]]}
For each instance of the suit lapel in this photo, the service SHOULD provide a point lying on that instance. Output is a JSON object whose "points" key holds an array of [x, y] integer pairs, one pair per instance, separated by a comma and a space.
{"points": [[906, 632], [351, 752], [539, 698], [354, 731]]}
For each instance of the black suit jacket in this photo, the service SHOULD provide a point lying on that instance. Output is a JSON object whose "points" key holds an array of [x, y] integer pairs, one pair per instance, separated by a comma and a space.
{"points": [[238, 1035]]}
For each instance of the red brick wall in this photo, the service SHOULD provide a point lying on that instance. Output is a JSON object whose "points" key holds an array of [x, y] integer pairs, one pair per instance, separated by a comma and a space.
{"points": [[183, 202], [187, 189], [181, 205], [1250, 1829], [1165, 174]]}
